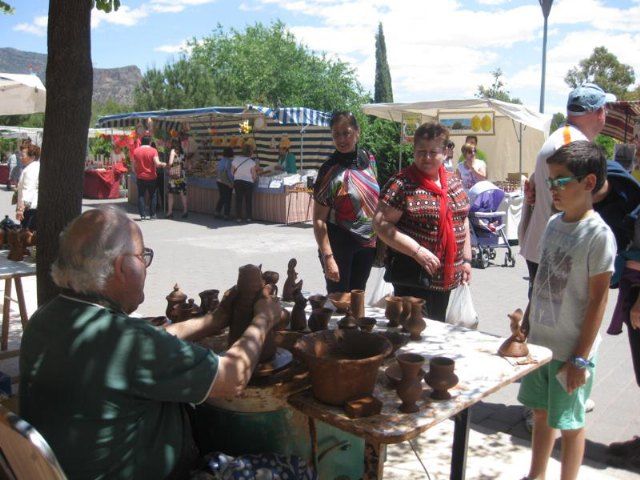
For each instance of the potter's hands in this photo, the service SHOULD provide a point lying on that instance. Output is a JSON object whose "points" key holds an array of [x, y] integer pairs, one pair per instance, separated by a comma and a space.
{"points": [[428, 260], [529, 192], [634, 314], [269, 309], [576, 377], [331, 270], [466, 273]]}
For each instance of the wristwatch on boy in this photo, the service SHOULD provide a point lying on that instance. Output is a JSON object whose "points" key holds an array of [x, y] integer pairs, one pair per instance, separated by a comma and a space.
{"points": [[580, 362]]}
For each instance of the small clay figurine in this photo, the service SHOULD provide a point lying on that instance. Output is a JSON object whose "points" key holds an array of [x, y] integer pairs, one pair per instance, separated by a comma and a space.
{"points": [[271, 278], [174, 299], [515, 345], [290, 285], [298, 315]]}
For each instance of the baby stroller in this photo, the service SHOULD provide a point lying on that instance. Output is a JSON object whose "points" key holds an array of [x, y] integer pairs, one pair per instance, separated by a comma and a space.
{"points": [[487, 226]]}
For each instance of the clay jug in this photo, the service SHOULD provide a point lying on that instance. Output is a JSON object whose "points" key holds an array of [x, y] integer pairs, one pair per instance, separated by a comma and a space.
{"points": [[248, 287], [298, 315], [515, 345], [415, 324], [209, 300], [409, 388], [441, 377], [406, 312], [319, 319], [176, 297], [393, 311], [357, 303]]}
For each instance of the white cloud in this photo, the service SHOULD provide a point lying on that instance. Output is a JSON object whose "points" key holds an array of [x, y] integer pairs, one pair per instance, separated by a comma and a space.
{"points": [[246, 7], [37, 27], [493, 2], [124, 16], [182, 47], [174, 6]]}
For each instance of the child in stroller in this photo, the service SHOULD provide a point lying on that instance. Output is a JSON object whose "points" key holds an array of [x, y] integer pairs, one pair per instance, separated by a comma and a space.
{"points": [[487, 225]]}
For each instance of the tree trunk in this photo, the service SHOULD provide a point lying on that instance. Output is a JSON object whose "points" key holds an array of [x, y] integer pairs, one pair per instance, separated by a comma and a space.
{"points": [[69, 90]]}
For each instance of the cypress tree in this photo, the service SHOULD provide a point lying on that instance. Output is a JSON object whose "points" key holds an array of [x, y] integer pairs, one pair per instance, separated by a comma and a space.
{"points": [[383, 92]]}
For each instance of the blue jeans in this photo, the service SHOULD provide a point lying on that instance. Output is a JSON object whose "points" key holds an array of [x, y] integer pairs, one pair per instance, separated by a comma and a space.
{"points": [[145, 186]]}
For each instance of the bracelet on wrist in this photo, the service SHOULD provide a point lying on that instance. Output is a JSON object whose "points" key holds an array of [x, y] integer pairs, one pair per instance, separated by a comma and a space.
{"points": [[415, 254], [580, 362]]}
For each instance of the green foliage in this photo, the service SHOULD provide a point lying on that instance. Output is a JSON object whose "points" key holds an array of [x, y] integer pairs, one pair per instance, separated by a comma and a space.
{"points": [[383, 91], [5, 8], [604, 69], [607, 143], [557, 121], [497, 90], [8, 145], [110, 107], [262, 64], [382, 138], [100, 146], [107, 5], [35, 120]]}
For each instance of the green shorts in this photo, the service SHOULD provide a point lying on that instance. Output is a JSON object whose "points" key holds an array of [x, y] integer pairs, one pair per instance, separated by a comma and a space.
{"points": [[541, 390]]}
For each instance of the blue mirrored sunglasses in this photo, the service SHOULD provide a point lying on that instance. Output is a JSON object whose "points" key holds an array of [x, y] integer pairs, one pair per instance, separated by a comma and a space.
{"points": [[561, 182]]}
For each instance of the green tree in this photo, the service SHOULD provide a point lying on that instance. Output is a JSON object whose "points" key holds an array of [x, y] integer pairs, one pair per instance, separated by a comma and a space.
{"points": [[382, 138], [604, 69], [383, 91], [5, 7], [557, 121], [497, 90], [110, 107], [261, 64]]}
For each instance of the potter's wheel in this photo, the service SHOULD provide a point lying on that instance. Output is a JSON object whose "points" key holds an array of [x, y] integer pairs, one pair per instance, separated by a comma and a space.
{"points": [[280, 360]]}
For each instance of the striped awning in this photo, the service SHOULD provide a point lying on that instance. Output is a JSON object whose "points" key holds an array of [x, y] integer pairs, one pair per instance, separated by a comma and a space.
{"points": [[621, 120]]}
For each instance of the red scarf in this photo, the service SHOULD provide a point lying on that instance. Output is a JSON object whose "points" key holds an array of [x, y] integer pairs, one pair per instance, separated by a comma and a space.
{"points": [[447, 248]]}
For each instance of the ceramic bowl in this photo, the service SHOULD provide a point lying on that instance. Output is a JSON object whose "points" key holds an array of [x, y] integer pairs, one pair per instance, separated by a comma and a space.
{"points": [[341, 300]]}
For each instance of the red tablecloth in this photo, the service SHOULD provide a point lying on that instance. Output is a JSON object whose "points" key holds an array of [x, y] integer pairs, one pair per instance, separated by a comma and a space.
{"points": [[102, 183], [4, 174]]}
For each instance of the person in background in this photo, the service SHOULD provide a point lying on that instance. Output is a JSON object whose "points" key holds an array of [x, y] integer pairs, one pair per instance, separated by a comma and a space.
{"points": [[422, 213], [473, 140], [567, 305], [286, 160], [245, 173], [160, 173], [177, 179], [625, 155], [225, 182], [345, 197], [15, 169], [112, 394], [472, 170], [448, 157], [27, 204], [145, 162]]}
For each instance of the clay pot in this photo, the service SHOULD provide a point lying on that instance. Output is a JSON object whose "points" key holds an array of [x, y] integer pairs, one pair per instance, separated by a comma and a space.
{"points": [[397, 339], [195, 309], [16, 246], [347, 323], [341, 300], [343, 364], [366, 324], [319, 319], [298, 315], [184, 312], [409, 388], [441, 377], [357, 303], [209, 300], [317, 301], [393, 311], [415, 324], [176, 297]]}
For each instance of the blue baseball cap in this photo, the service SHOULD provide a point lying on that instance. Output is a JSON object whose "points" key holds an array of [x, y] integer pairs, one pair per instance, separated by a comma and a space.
{"points": [[586, 98]]}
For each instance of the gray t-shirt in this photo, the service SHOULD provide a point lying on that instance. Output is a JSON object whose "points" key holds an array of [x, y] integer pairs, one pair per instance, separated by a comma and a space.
{"points": [[572, 253]]}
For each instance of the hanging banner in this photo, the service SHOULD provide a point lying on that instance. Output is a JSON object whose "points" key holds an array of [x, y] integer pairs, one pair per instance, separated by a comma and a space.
{"points": [[468, 123], [410, 123]]}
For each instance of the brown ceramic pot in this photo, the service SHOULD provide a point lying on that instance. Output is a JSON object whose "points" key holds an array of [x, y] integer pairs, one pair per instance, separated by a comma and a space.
{"points": [[319, 319], [317, 301], [271, 278], [176, 297], [357, 303], [406, 312], [441, 377], [209, 300], [298, 315], [409, 388], [343, 364], [393, 311], [347, 323], [366, 324], [415, 324]]}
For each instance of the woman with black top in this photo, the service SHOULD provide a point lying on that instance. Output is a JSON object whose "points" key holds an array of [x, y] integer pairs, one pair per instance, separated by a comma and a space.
{"points": [[177, 179]]}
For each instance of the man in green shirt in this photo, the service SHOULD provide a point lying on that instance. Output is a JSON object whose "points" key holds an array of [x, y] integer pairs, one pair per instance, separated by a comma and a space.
{"points": [[287, 161], [110, 392]]}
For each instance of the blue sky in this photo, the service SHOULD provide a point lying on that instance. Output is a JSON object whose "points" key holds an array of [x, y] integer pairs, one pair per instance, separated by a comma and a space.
{"points": [[437, 49]]}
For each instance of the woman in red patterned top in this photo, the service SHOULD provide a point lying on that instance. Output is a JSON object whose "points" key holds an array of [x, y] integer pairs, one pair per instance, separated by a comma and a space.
{"points": [[413, 219]]}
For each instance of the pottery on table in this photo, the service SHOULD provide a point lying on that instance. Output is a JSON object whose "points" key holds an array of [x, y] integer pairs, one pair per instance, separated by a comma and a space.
{"points": [[394, 374], [176, 297], [406, 311], [397, 339], [298, 315], [319, 319], [317, 300], [196, 311], [357, 303], [347, 323], [16, 245], [341, 300], [409, 388], [415, 324], [441, 377], [209, 300], [271, 278], [290, 284], [366, 324], [343, 364], [393, 311], [515, 345]]}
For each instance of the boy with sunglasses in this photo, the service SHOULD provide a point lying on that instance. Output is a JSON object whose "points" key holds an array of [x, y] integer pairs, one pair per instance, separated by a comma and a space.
{"points": [[567, 305]]}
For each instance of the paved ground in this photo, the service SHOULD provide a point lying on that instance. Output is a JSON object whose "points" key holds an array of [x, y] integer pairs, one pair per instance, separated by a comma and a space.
{"points": [[201, 253]]}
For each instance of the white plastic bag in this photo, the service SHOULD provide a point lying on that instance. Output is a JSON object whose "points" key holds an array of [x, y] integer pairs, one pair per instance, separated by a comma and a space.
{"points": [[375, 296], [460, 310]]}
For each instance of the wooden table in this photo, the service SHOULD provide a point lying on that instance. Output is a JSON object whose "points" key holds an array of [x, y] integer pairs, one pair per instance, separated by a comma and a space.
{"points": [[480, 370], [10, 270]]}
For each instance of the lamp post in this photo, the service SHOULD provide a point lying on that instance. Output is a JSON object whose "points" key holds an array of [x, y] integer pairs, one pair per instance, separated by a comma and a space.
{"points": [[546, 8]]}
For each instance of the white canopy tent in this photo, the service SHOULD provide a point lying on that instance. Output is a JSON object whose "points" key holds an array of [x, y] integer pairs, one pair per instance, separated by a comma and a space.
{"points": [[511, 145], [21, 94]]}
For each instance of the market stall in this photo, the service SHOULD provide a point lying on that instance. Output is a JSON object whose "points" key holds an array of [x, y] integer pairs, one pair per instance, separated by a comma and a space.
{"points": [[205, 132]]}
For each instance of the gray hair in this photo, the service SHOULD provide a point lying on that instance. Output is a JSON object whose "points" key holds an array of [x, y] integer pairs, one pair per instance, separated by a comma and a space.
{"points": [[625, 155], [89, 246]]}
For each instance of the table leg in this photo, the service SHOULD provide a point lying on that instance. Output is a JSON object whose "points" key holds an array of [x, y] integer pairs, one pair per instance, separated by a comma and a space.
{"points": [[460, 443], [21, 304], [6, 314], [374, 456]]}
